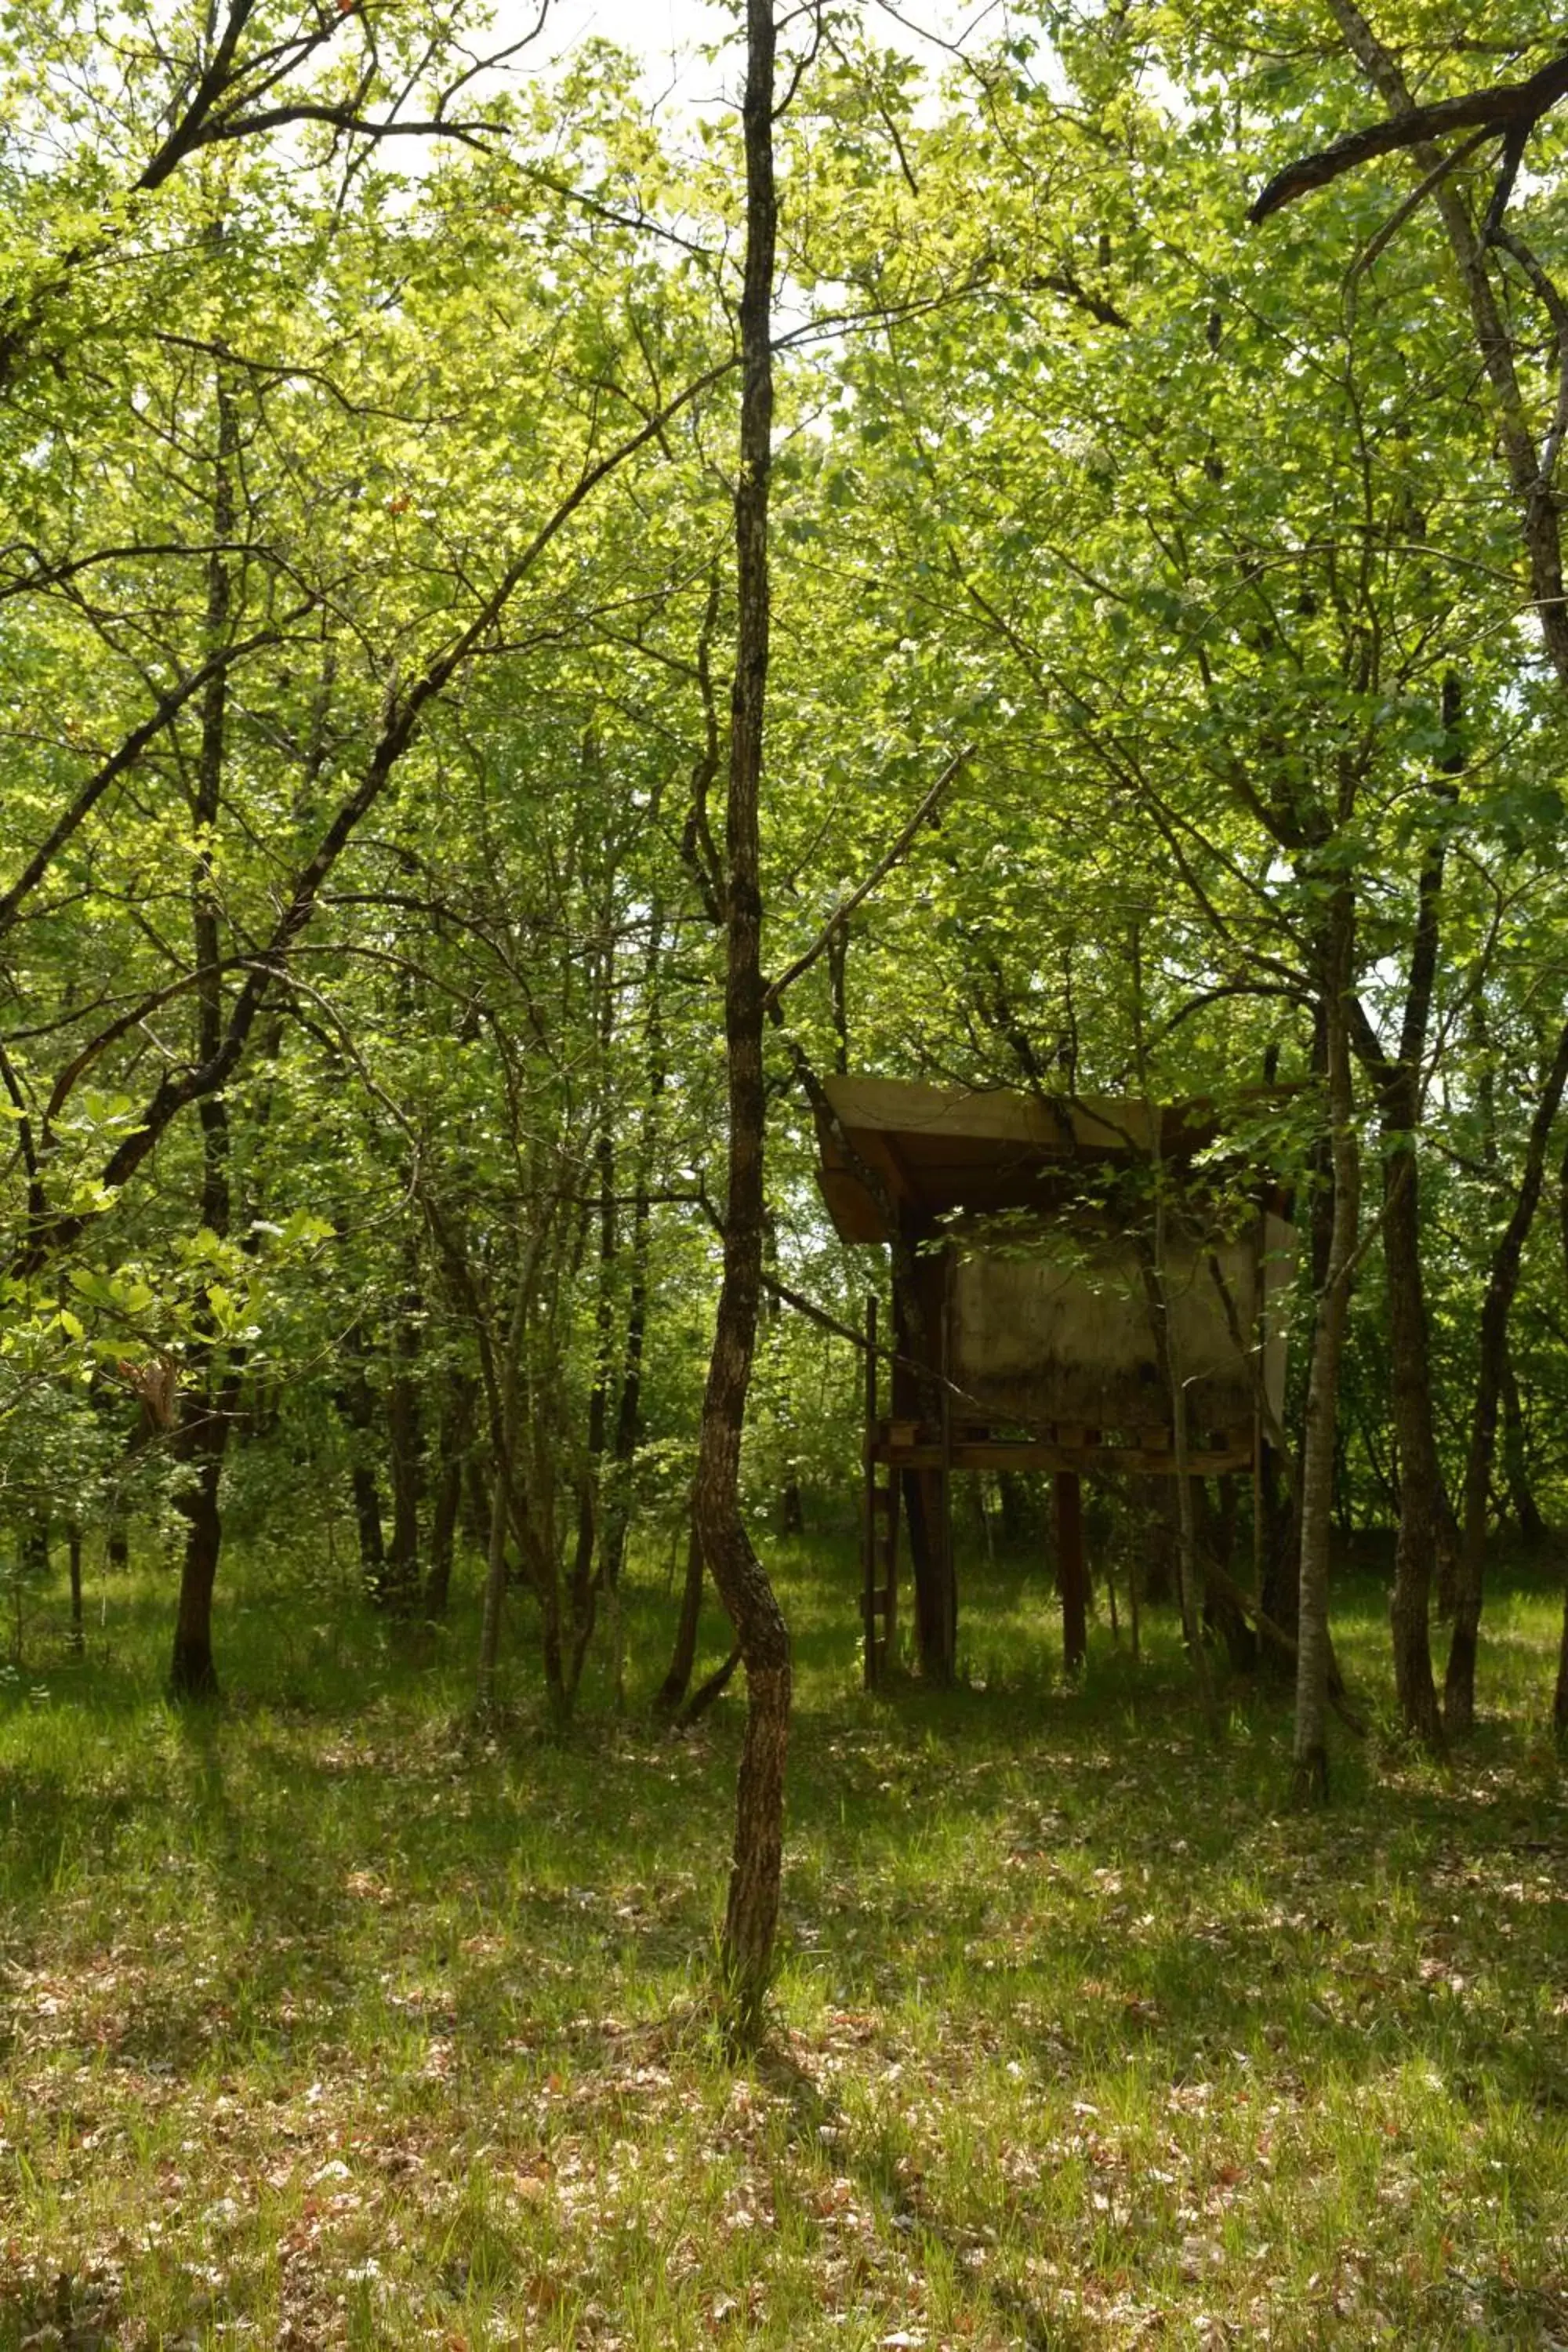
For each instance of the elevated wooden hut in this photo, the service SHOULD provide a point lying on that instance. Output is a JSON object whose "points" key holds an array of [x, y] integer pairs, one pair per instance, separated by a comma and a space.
{"points": [[1030, 1280]]}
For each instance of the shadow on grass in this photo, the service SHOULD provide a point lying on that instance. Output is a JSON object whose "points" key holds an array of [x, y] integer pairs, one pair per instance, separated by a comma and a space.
{"points": [[344, 1867]]}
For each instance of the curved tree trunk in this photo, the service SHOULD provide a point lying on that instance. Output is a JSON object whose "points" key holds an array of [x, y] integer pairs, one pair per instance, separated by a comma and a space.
{"points": [[751, 1915]]}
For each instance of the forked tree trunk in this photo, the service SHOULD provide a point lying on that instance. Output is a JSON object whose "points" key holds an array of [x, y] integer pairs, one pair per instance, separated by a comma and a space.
{"points": [[1313, 1652], [751, 1915], [1491, 1373]]}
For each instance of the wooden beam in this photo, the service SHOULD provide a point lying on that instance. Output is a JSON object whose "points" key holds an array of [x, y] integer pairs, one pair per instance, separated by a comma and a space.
{"points": [[1072, 1569], [1002, 1453]]}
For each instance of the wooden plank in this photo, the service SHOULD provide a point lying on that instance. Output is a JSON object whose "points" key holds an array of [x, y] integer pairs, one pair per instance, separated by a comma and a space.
{"points": [[1072, 1569], [1000, 1454], [868, 1557]]}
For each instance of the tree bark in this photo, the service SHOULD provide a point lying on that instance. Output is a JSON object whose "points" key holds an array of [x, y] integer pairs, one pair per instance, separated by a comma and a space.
{"points": [[73, 1541], [453, 1430], [1313, 1652], [1423, 1515], [1491, 1374], [752, 1912], [670, 1696], [1532, 1528], [210, 1404], [398, 1587]]}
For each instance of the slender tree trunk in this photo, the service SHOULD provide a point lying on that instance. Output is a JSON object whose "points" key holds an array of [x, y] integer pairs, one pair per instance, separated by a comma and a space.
{"points": [[1154, 1256], [73, 1540], [367, 1521], [1420, 1477], [751, 1917], [210, 1404], [587, 1571], [1532, 1528], [398, 1587], [1423, 1516], [453, 1431], [1313, 1652], [502, 1398], [356, 1402], [670, 1696], [495, 1598], [628, 1429], [1491, 1374]]}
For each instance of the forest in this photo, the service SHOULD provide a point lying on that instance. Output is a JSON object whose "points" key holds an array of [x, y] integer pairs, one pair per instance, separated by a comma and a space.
{"points": [[547, 630]]}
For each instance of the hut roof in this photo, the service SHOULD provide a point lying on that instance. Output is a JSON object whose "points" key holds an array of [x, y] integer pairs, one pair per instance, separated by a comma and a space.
{"points": [[945, 1150]]}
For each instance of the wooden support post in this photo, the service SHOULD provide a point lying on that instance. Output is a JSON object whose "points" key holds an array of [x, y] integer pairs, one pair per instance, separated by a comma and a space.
{"points": [[1071, 1572], [869, 1544]]}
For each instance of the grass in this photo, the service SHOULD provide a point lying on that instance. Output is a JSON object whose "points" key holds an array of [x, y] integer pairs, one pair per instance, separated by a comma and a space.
{"points": [[325, 2022]]}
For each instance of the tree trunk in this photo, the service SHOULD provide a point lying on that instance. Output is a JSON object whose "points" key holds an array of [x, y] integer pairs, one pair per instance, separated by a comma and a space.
{"points": [[367, 1519], [495, 1598], [451, 1443], [670, 1696], [1532, 1528], [1491, 1375], [1420, 1477], [629, 1431], [210, 1404], [73, 1540], [752, 1912], [192, 1673], [1313, 1652], [356, 1403], [398, 1587], [588, 1557], [1423, 1516]]}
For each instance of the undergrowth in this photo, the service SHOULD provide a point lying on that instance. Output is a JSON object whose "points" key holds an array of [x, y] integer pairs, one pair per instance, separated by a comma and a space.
{"points": [[325, 2020]]}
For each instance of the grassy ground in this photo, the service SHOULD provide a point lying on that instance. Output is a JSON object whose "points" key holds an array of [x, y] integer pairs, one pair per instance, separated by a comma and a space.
{"points": [[323, 2023]]}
